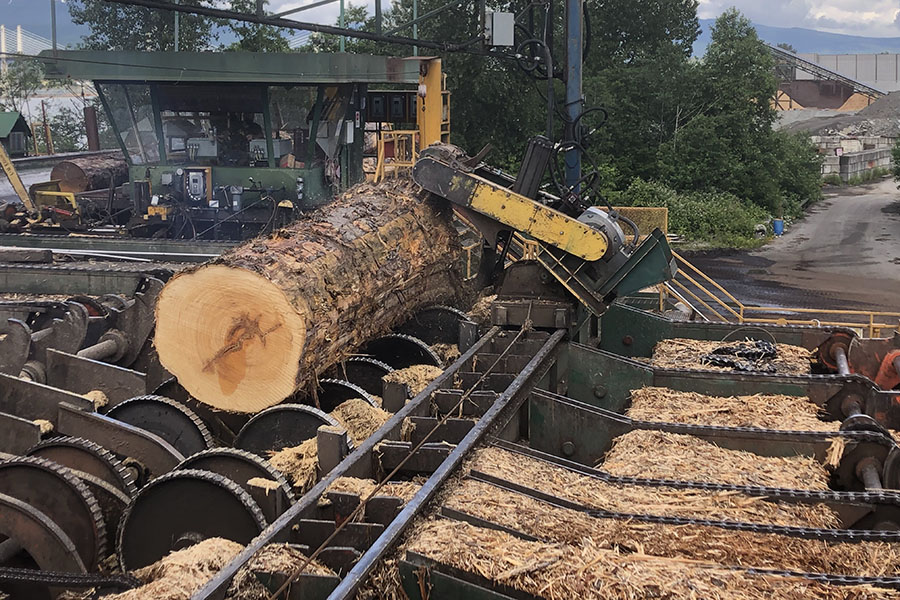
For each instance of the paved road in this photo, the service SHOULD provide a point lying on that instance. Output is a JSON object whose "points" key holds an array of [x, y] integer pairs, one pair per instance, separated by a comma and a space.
{"points": [[845, 253], [28, 177]]}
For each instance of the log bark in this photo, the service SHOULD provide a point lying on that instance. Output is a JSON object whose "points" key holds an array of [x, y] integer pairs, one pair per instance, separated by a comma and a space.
{"points": [[90, 173], [247, 330]]}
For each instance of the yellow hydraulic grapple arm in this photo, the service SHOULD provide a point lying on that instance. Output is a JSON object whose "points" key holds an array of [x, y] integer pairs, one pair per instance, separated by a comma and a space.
{"points": [[15, 180]]}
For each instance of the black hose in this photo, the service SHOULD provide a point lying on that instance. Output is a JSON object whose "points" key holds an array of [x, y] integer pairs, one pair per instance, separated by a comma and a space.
{"points": [[630, 223]]}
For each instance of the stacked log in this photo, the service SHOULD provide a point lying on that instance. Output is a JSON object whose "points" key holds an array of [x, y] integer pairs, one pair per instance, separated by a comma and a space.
{"points": [[247, 330], [90, 173]]}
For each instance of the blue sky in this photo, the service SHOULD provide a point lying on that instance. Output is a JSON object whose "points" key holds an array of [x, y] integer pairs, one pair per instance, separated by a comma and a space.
{"points": [[880, 18]]}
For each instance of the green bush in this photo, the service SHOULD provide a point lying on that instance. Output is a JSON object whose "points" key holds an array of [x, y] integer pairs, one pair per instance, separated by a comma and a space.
{"points": [[833, 179], [716, 217]]}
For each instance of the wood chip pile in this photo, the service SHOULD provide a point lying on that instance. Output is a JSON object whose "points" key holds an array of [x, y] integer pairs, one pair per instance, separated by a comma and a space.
{"points": [[364, 487], [691, 542], [660, 455], [417, 377], [180, 574], [587, 570], [678, 353], [595, 493], [768, 411]]}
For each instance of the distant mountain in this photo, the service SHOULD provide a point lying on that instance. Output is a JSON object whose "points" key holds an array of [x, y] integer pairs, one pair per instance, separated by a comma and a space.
{"points": [[809, 40]]}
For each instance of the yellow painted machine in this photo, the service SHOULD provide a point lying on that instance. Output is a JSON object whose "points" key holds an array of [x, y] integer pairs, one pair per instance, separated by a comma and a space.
{"points": [[588, 254]]}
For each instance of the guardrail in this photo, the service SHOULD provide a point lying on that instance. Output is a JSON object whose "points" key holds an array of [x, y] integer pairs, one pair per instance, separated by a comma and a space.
{"points": [[720, 305]]}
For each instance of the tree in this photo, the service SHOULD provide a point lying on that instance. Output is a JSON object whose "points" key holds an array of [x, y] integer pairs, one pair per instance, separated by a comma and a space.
{"points": [[115, 26], [69, 133], [21, 79], [254, 37]]}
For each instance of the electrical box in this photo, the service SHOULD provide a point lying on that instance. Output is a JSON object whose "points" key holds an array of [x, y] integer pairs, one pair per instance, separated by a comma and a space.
{"points": [[279, 147], [499, 28], [198, 185], [348, 132], [202, 148]]}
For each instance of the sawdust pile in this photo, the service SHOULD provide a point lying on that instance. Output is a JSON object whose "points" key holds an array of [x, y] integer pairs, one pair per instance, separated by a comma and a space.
{"points": [[678, 353], [448, 353], [481, 310], [660, 455], [44, 426], [647, 500], [98, 397], [300, 464], [694, 542], [773, 411], [586, 570], [363, 487], [417, 377], [180, 574], [274, 558], [360, 418]]}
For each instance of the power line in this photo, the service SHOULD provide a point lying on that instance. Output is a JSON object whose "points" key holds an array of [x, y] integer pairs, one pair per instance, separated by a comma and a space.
{"points": [[314, 27]]}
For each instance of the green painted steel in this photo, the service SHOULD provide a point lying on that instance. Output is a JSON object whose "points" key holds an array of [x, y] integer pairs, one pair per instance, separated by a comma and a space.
{"points": [[629, 331], [603, 379], [316, 192], [416, 579], [229, 67]]}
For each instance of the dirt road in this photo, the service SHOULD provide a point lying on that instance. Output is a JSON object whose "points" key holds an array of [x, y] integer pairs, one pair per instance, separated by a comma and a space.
{"points": [[845, 253]]}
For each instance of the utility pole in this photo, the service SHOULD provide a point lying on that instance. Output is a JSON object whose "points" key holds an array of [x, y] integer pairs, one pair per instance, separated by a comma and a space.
{"points": [[341, 21], [177, 26], [2, 48], [574, 58], [53, 23], [415, 26]]}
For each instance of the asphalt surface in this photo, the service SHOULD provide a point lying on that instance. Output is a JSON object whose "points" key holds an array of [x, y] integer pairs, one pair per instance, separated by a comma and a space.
{"points": [[28, 177], [843, 254]]}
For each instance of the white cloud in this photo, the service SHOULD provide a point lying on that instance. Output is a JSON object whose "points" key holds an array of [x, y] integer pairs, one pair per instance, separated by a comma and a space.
{"points": [[870, 18]]}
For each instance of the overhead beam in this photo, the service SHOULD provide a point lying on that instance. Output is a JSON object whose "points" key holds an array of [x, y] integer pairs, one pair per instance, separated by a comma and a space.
{"points": [[274, 21]]}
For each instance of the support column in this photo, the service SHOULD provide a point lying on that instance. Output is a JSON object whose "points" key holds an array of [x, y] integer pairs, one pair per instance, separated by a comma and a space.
{"points": [[574, 43]]}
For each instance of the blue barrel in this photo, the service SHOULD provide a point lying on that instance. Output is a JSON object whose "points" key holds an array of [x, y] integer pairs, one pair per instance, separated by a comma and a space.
{"points": [[778, 226]]}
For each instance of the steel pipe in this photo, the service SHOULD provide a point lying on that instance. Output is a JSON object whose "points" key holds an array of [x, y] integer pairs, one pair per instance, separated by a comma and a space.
{"points": [[869, 472], [839, 353]]}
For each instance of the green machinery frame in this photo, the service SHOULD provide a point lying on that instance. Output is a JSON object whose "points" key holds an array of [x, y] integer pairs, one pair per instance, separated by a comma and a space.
{"points": [[352, 72]]}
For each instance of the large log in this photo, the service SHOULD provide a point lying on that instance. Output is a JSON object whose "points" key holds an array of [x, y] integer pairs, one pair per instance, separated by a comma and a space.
{"points": [[90, 173], [247, 330]]}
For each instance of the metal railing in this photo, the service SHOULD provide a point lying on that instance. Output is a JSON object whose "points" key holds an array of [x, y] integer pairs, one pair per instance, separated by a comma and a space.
{"points": [[401, 147], [721, 305]]}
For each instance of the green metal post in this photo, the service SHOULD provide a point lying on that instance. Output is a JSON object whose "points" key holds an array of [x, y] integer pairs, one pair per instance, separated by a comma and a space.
{"points": [[415, 26], [157, 118], [112, 123], [177, 26], [267, 125], [314, 125], [343, 39]]}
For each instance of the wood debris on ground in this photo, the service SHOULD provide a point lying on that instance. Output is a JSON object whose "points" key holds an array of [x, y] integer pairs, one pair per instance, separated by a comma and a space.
{"points": [[481, 310], [300, 464], [767, 411], [655, 454], [273, 558], [417, 377], [363, 487], [178, 575], [448, 353], [694, 542], [680, 353], [586, 570], [638, 499], [360, 418]]}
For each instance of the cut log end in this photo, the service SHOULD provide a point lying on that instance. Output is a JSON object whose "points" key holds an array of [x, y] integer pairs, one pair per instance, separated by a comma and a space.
{"points": [[240, 328]]}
